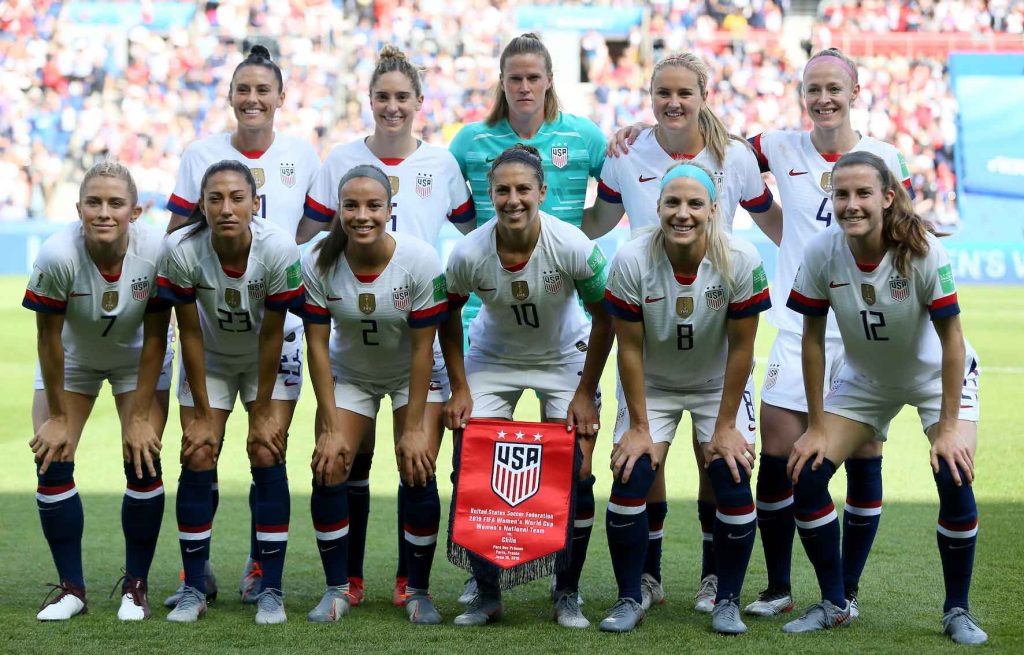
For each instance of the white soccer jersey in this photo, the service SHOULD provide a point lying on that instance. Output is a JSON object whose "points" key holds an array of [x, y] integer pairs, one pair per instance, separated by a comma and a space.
{"points": [[427, 188], [883, 317], [283, 173], [102, 316], [231, 303], [685, 332], [530, 315], [372, 316], [804, 178], [634, 180]]}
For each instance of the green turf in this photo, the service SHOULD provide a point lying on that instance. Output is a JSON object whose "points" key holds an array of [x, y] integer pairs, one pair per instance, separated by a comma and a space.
{"points": [[901, 591]]}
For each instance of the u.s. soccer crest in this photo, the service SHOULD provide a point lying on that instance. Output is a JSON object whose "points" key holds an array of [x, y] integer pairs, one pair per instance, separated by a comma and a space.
{"points": [[424, 185], [552, 281], [109, 300], [515, 475], [140, 289], [715, 297], [401, 298], [684, 306], [559, 156], [867, 292], [520, 290], [899, 289], [259, 176], [367, 303], [233, 297], [257, 290], [288, 175]]}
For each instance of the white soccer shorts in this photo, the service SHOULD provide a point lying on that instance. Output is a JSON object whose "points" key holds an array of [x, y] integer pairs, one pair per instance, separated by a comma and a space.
{"points": [[665, 411], [88, 381], [784, 381], [496, 388]]}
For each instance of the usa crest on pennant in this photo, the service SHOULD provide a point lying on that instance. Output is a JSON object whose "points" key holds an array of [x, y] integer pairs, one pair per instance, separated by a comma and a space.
{"points": [[559, 156], [515, 473]]}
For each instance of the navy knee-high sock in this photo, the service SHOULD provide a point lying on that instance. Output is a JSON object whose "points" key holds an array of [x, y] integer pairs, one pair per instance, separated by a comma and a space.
{"points": [[818, 525], [706, 517], [142, 511], [775, 519], [273, 512], [656, 513], [254, 547], [329, 508], [861, 516], [359, 512], [583, 525], [957, 535], [60, 512], [402, 571], [215, 501], [627, 527], [422, 516], [735, 525], [194, 510]]}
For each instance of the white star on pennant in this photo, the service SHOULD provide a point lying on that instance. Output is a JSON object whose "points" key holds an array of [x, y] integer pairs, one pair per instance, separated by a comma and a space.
{"points": [[501, 434], [537, 437], [519, 436]]}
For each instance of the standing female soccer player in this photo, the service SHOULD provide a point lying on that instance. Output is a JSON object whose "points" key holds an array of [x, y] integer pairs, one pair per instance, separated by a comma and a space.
{"points": [[531, 272], [93, 287], [385, 295], [685, 298], [884, 276], [284, 168], [686, 130], [232, 278], [427, 189]]}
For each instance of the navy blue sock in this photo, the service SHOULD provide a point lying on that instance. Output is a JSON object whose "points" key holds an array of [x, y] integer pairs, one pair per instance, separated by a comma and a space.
{"points": [[254, 548], [403, 569], [656, 513], [861, 516], [142, 511], [60, 512], [329, 508], [735, 525], [194, 510], [422, 516], [273, 512], [775, 519], [818, 525], [957, 535], [627, 527], [706, 516], [215, 491], [358, 512], [583, 525]]}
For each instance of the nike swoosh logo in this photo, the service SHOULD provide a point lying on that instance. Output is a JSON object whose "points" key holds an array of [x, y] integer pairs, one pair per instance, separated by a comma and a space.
{"points": [[648, 299], [289, 383], [79, 295], [960, 547], [860, 525], [329, 548], [333, 298], [621, 525], [647, 179], [793, 173], [270, 552], [490, 159], [199, 286], [741, 536], [194, 550], [419, 554], [486, 289], [833, 285]]}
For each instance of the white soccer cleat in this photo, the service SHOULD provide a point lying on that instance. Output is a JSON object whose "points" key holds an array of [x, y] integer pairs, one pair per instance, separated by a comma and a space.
{"points": [[134, 601], [68, 603], [568, 612], [704, 601], [771, 602]]}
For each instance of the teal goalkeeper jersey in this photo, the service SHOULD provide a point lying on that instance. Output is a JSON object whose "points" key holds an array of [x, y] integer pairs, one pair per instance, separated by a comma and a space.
{"points": [[571, 149]]}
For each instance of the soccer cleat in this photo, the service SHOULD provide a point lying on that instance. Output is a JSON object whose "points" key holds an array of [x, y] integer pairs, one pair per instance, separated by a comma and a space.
{"points": [[270, 607], [355, 593], [482, 609], [704, 601], [191, 606], [556, 592], [725, 618], [420, 608], [625, 615], [771, 602], [251, 583], [331, 607], [469, 592], [134, 600], [854, 605], [820, 616], [69, 602], [651, 591], [399, 596], [567, 611], [211, 588], [962, 627]]}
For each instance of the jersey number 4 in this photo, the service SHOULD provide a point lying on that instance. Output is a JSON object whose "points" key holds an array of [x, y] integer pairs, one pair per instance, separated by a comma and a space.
{"points": [[824, 216]]}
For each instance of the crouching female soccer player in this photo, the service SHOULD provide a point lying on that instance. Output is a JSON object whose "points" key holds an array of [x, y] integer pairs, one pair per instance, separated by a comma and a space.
{"points": [[232, 277], [686, 299], [93, 289], [386, 295], [884, 276]]}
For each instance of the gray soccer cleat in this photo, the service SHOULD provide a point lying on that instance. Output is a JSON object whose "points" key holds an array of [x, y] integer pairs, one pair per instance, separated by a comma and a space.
{"points": [[568, 612], [651, 591], [820, 616], [331, 607], [704, 601], [725, 618], [251, 583], [270, 608], [469, 592], [191, 606], [211, 588], [486, 606], [420, 608], [771, 602], [625, 615], [556, 592], [962, 627]]}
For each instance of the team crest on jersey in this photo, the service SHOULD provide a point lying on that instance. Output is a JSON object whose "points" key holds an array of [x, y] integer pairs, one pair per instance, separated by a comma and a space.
{"points": [[899, 289], [233, 297], [520, 290], [109, 300], [684, 306], [424, 184], [140, 289], [288, 175], [826, 182], [715, 297], [259, 176], [401, 298], [394, 184], [367, 303], [257, 290], [559, 156], [552, 281], [867, 292], [515, 474], [772, 377]]}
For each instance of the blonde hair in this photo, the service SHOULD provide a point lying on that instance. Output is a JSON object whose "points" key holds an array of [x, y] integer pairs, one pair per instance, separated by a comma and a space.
{"points": [[115, 169], [524, 44], [389, 60]]}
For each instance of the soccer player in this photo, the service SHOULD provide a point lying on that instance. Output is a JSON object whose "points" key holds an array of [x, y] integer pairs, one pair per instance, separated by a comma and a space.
{"points": [[385, 294], [686, 130], [427, 189], [232, 277], [685, 297], [283, 167], [531, 271], [884, 276], [93, 288]]}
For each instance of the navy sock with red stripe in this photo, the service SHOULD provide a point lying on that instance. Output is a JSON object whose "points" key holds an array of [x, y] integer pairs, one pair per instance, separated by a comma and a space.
{"points": [[818, 525], [422, 516], [957, 536], [735, 528], [627, 527], [706, 517], [583, 525], [63, 520], [254, 548], [329, 507], [194, 511], [861, 516], [656, 513], [273, 512], [142, 511], [359, 512], [402, 571], [775, 519]]}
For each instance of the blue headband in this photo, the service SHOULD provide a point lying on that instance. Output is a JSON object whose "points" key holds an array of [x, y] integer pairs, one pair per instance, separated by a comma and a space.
{"points": [[691, 171]]}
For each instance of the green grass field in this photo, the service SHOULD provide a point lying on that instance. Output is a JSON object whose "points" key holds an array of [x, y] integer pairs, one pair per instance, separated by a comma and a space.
{"points": [[901, 593]]}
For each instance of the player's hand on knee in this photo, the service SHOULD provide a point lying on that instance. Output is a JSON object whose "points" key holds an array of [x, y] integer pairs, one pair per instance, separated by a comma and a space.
{"points": [[634, 444], [809, 447], [729, 445], [197, 434], [265, 432], [950, 446], [332, 458], [416, 458], [50, 442], [141, 445]]}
